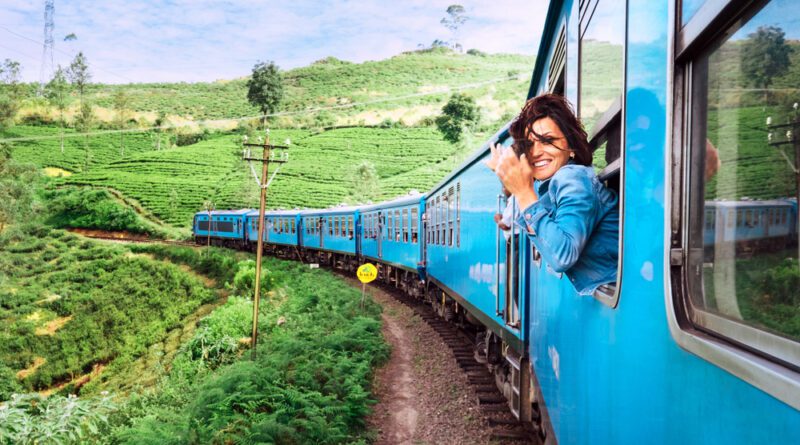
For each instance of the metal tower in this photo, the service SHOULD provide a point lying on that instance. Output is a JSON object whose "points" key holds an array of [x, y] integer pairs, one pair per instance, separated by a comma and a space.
{"points": [[47, 48]]}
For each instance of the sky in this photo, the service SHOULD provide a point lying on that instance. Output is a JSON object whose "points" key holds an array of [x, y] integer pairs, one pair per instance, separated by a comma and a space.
{"points": [[207, 40]]}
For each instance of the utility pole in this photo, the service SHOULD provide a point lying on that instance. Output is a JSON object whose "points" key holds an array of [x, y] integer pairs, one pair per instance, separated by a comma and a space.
{"points": [[209, 209], [790, 138], [268, 155]]}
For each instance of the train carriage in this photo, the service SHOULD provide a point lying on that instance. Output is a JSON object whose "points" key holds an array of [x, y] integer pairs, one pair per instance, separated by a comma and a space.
{"points": [[220, 227], [390, 236], [679, 349], [281, 231], [335, 241]]}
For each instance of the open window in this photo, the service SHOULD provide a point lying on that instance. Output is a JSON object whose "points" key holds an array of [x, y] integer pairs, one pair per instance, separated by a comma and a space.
{"points": [[734, 260], [600, 98]]}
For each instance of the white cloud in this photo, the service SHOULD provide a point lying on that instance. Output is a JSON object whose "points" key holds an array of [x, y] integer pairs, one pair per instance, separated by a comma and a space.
{"points": [[201, 40]]}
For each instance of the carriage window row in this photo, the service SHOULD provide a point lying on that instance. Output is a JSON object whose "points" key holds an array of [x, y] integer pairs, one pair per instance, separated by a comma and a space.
{"points": [[444, 218], [401, 225], [281, 225], [748, 218]]}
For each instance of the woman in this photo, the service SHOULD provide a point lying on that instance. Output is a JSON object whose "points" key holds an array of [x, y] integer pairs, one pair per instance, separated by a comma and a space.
{"points": [[570, 216]]}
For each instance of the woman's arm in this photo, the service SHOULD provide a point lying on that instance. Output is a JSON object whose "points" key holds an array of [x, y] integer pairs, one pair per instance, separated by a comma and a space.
{"points": [[561, 229]]}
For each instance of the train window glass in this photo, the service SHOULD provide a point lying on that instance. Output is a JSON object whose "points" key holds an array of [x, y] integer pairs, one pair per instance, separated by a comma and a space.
{"points": [[689, 8], [601, 54], [397, 222], [458, 214], [435, 213], [741, 144], [405, 225], [389, 226], [293, 227], [443, 220], [451, 215], [414, 224], [350, 228]]}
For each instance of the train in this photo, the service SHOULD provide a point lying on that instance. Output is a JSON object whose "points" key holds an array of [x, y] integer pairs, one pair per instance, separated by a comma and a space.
{"points": [[686, 346]]}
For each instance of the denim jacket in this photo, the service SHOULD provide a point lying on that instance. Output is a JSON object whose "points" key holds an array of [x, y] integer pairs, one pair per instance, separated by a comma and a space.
{"points": [[575, 226]]}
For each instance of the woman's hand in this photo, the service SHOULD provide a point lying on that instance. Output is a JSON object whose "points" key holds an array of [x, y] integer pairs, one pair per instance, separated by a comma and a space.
{"points": [[517, 177], [494, 159]]}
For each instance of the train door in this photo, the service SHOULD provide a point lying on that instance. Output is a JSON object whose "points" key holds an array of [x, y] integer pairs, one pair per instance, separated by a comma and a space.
{"points": [[511, 238], [323, 224], [380, 234]]}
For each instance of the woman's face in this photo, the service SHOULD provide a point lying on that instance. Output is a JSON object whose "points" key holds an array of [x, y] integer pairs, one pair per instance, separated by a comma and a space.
{"points": [[548, 152]]}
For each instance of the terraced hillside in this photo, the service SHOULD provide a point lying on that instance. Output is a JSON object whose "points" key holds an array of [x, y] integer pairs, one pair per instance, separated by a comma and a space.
{"points": [[174, 183]]}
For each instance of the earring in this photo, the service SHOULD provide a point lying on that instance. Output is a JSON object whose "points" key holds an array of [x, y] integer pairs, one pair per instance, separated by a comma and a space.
{"points": [[572, 155]]}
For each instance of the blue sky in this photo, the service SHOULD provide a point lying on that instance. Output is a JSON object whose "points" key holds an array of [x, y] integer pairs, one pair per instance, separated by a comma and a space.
{"points": [[206, 40]]}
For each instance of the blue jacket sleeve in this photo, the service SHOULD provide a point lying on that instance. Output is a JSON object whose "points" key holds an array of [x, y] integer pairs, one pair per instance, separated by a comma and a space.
{"points": [[561, 229]]}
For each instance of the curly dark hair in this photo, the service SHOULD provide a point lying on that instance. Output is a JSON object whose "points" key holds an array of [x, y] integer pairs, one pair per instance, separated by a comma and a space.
{"points": [[555, 107]]}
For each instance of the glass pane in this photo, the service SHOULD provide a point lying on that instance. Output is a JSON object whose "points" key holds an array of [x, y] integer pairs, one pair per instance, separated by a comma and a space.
{"points": [[601, 62], [688, 9], [745, 151]]}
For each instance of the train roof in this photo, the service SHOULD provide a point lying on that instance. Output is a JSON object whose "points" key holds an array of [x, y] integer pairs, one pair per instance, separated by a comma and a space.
{"points": [[254, 213], [475, 157], [754, 203], [225, 212], [411, 198], [332, 210]]}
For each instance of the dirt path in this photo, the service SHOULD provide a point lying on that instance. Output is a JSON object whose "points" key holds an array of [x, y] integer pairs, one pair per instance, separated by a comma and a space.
{"points": [[423, 397]]}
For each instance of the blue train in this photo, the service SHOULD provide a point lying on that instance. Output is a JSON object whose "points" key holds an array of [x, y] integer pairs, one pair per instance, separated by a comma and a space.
{"points": [[695, 342]]}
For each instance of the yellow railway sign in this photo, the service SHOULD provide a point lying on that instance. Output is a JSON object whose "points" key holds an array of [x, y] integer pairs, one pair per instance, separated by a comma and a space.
{"points": [[367, 272]]}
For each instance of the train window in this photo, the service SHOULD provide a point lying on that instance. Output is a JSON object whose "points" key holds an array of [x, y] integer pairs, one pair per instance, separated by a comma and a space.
{"points": [[293, 227], [601, 50], [741, 284], [414, 224], [451, 215], [458, 214], [435, 221], [350, 228], [397, 222], [689, 8], [405, 225]]}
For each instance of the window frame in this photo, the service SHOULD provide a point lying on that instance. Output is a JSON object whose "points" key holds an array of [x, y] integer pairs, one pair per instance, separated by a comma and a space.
{"points": [[754, 355], [610, 124]]}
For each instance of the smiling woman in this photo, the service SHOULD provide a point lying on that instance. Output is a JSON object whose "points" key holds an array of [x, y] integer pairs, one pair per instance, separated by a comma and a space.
{"points": [[570, 216]]}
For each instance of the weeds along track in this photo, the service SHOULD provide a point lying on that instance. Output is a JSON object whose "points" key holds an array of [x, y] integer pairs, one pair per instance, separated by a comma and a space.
{"points": [[494, 408]]}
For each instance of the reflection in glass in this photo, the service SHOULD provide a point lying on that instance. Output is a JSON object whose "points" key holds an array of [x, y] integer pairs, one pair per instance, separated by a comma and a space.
{"points": [[689, 8], [745, 150], [601, 62]]}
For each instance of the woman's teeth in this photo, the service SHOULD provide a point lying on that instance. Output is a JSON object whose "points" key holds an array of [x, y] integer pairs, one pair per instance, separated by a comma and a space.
{"points": [[541, 163]]}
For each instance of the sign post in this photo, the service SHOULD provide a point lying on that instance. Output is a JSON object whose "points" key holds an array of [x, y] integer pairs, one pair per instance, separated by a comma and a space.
{"points": [[366, 273]]}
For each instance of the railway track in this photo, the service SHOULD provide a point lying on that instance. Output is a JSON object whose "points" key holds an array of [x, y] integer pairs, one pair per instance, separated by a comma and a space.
{"points": [[493, 405]]}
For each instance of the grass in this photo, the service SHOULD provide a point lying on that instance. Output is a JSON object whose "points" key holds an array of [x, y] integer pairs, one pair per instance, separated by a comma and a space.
{"points": [[91, 298]]}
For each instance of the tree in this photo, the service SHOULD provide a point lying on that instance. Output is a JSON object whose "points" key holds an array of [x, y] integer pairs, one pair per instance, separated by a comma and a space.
{"points": [[17, 189], [265, 88], [121, 103], [78, 74], [364, 182], [459, 113], [765, 55], [456, 16], [57, 93], [10, 92]]}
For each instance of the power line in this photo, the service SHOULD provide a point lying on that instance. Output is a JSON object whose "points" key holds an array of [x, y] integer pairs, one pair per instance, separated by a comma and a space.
{"points": [[444, 90], [63, 52]]}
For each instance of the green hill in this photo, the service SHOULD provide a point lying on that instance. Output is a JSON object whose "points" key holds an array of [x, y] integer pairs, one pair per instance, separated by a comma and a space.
{"points": [[332, 82]]}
